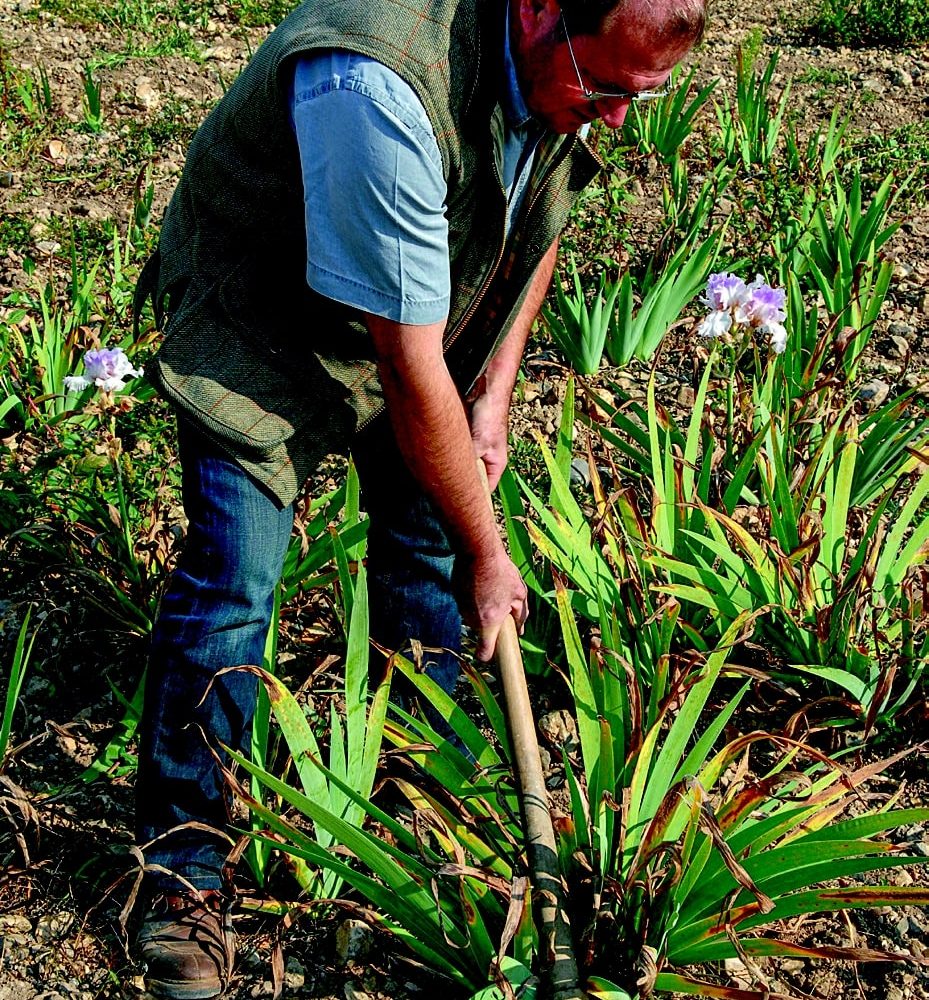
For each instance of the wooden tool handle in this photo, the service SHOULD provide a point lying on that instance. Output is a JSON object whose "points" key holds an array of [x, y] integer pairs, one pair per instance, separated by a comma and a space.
{"points": [[556, 948]]}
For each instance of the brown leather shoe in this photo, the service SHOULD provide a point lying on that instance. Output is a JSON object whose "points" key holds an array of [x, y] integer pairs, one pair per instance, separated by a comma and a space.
{"points": [[186, 943]]}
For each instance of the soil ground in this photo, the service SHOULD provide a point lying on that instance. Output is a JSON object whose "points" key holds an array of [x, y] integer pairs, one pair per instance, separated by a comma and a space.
{"points": [[60, 899]]}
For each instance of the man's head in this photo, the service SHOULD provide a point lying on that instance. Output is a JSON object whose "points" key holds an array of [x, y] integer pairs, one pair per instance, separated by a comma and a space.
{"points": [[605, 46]]}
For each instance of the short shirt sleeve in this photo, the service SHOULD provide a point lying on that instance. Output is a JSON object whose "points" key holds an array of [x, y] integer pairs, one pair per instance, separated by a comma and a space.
{"points": [[374, 189]]}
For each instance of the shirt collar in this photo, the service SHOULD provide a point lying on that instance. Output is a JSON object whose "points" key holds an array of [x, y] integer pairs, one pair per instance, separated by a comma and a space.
{"points": [[514, 107]]}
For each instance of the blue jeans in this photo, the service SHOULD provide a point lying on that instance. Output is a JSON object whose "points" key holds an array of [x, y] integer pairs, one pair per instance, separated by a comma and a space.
{"points": [[216, 611]]}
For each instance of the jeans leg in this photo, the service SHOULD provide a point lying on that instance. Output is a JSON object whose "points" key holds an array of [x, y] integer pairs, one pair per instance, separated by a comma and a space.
{"points": [[409, 560], [215, 613]]}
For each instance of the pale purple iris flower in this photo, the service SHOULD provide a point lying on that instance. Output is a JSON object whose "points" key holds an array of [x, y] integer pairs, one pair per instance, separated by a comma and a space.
{"points": [[107, 369], [761, 305], [756, 305], [723, 291]]}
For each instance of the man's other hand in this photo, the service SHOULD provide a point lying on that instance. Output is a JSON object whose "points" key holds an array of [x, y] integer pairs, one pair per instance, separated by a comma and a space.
{"points": [[489, 589], [488, 418]]}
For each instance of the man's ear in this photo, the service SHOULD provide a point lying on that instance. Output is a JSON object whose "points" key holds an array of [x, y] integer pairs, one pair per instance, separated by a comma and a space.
{"points": [[536, 14]]}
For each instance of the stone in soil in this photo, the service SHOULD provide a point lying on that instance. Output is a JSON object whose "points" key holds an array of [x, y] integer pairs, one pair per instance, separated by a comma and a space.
{"points": [[874, 392], [353, 940]]}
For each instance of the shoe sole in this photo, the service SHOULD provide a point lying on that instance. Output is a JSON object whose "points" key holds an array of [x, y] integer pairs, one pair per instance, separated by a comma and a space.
{"points": [[166, 990]]}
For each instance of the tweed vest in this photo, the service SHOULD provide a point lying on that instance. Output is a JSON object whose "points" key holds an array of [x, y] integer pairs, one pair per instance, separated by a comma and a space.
{"points": [[274, 373]]}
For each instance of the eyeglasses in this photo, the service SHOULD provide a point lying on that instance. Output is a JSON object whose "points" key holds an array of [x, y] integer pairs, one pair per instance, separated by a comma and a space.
{"points": [[599, 95]]}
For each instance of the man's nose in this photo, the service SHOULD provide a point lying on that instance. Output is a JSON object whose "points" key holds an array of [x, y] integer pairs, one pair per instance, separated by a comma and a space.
{"points": [[614, 113]]}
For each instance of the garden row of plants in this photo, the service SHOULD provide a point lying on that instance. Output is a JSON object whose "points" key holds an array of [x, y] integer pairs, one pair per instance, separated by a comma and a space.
{"points": [[773, 535]]}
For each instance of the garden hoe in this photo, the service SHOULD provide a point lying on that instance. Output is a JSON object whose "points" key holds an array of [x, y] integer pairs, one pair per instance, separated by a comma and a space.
{"points": [[555, 932]]}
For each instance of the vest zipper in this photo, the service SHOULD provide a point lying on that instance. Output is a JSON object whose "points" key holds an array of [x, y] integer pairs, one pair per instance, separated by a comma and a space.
{"points": [[476, 301], [485, 284]]}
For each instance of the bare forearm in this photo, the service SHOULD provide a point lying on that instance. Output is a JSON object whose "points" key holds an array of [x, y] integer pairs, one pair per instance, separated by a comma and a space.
{"points": [[432, 431], [490, 400], [500, 375]]}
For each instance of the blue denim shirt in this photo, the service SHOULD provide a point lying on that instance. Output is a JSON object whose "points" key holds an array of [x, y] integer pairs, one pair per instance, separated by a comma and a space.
{"points": [[374, 191]]}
